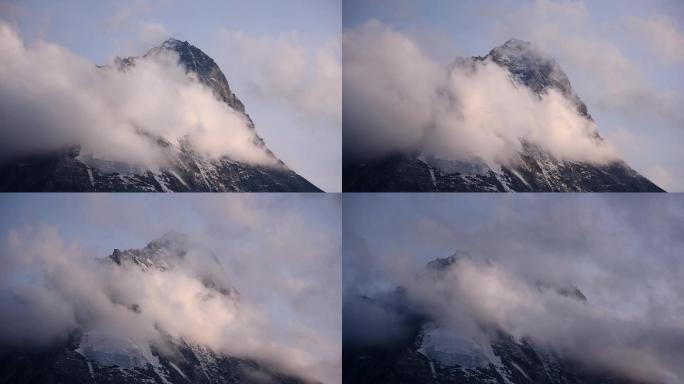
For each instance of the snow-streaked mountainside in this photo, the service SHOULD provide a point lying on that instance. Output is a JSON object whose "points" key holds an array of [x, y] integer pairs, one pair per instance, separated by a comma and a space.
{"points": [[96, 356], [535, 169], [435, 354], [187, 169]]}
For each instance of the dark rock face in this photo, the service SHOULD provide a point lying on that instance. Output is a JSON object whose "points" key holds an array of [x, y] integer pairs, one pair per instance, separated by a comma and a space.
{"points": [[520, 363], [536, 169], [538, 172], [425, 356], [66, 171], [165, 254], [204, 66], [189, 364]]}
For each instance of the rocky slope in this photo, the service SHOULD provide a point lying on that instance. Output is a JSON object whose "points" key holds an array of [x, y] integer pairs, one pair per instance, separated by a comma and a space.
{"points": [[188, 171], [536, 171], [434, 354], [93, 357]]}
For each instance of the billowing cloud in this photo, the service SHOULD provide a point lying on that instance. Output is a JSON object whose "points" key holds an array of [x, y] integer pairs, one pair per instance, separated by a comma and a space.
{"points": [[626, 67], [524, 256], [282, 309], [597, 63], [281, 68], [630, 345], [397, 99], [52, 98]]}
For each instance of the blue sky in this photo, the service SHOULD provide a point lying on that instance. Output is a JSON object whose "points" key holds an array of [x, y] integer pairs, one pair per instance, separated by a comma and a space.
{"points": [[423, 227], [103, 222], [307, 137], [97, 30], [625, 59]]}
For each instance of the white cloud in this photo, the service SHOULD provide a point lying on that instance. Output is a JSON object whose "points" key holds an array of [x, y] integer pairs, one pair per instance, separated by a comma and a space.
{"points": [[398, 99], [580, 330], [282, 69], [625, 69], [621, 252], [285, 268], [50, 93]]}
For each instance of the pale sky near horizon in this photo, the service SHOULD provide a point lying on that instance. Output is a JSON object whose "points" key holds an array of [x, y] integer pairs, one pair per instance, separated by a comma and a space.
{"points": [[282, 60], [625, 59]]}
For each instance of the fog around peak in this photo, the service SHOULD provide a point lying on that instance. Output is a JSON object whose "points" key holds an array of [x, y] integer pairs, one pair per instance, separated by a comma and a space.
{"points": [[529, 256], [53, 99], [255, 277], [399, 99]]}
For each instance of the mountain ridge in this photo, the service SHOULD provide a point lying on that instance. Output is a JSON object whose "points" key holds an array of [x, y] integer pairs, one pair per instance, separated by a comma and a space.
{"points": [[95, 356], [535, 169], [68, 170], [437, 354]]}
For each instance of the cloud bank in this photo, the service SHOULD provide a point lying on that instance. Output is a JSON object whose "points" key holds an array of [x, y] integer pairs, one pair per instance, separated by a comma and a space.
{"points": [[524, 255], [283, 304], [52, 98], [397, 99]]}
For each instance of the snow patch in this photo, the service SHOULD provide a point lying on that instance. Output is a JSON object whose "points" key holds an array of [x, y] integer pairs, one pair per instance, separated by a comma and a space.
{"points": [[466, 168], [519, 176], [161, 183], [421, 158], [516, 366], [178, 370], [179, 178], [503, 180], [90, 369], [450, 348], [90, 176], [421, 350], [109, 351]]}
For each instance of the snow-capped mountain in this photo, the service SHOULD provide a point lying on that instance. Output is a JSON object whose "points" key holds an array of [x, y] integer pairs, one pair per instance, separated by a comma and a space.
{"points": [[535, 169], [97, 356], [188, 170], [436, 354]]}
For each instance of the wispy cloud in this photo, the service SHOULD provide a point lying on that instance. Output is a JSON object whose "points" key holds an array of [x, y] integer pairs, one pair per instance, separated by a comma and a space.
{"points": [[281, 68], [622, 253], [280, 255]]}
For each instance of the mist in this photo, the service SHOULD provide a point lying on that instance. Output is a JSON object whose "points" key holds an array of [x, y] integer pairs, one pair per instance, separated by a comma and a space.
{"points": [[398, 99], [515, 271], [52, 99], [55, 282]]}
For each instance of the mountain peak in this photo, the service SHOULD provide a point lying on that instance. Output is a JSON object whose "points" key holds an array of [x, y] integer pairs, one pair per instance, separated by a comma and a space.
{"points": [[518, 47], [530, 66], [208, 72], [517, 43], [443, 263], [161, 253], [173, 42]]}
